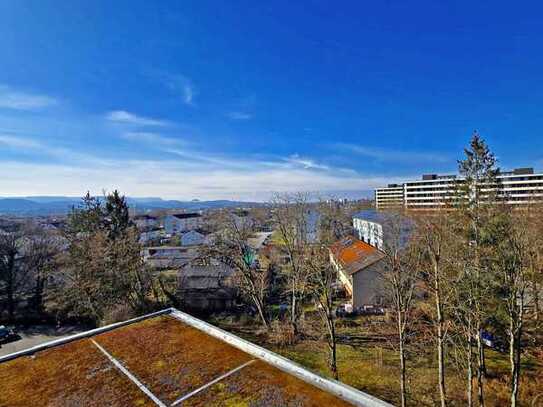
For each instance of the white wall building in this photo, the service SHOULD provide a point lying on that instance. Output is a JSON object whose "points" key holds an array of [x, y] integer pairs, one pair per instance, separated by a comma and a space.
{"points": [[368, 229], [518, 187], [389, 197], [182, 222]]}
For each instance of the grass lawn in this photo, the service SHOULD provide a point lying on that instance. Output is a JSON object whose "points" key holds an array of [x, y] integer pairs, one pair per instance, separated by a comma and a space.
{"points": [[373, 368]]}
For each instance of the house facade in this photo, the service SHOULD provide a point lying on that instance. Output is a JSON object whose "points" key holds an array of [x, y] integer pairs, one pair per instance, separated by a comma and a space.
{"points": [[150, 235], [144, 222], [369, 228], [206, 288], [167, 257], [359, 266], [182, 222], [192, 238]]}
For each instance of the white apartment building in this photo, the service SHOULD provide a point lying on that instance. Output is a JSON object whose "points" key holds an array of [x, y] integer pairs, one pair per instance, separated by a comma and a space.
{"points": [[389, 197], [517, 187]]}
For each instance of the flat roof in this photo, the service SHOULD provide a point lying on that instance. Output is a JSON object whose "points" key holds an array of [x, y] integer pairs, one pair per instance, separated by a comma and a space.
{"points": [[167, 358]]}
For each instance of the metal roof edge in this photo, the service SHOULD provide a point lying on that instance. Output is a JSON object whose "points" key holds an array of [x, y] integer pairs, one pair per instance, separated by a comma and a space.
{"points": [[334, 387], [81, 335]]}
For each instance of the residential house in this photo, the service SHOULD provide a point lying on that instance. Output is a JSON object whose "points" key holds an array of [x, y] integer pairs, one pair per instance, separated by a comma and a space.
{"points": [[144, 222], [259, 240], [308, 230], [182, 222], [192, 238], [164, 257], [376, 228], [207, 287], [359, 267], [241, 218], [151, 235]]}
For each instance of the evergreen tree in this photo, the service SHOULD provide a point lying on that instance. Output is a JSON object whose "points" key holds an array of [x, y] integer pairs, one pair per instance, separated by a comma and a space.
{"points": [[477, 208]]}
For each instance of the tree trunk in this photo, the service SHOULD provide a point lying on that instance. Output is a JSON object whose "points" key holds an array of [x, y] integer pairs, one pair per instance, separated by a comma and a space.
{"points": [[470, 377], [515, 347], [535, 293], [10, 286], [11, 302], [469, 390], [260, 310], [480, 366], [333, 348], [440, 336], [38, 294], [403, 389], [293, 316], [513, 363], [333, 362]]}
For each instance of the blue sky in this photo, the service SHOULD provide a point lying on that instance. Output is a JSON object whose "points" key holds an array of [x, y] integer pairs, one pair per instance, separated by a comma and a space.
{"points": [[209, 99]]}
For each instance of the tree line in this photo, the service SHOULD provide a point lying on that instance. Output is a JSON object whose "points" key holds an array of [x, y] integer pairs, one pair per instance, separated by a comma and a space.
{"points": [[472, 272], [92, 270]]}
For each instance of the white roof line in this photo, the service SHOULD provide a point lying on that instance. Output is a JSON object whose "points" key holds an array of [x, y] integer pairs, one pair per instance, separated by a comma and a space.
{"points": [[334, 387], [82, 335], [341, 390], [212, 382], [127, 373]]}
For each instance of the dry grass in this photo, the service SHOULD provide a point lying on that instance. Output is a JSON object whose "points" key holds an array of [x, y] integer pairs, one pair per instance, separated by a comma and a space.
{"points": [[75, 374], [167, 356], [170, 357], [263, 385], [375, 370]]}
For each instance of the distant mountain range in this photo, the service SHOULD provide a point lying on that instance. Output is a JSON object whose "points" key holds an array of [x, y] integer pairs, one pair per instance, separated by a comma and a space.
{"points": [[58, 205]]}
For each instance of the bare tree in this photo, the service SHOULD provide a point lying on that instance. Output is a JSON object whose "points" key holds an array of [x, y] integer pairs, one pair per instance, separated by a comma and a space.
{"points": [[41, 250], [231, 248], [400, 276], [13, 274], [434, 240], [517, 244], [463, 314], [290, 214], [322, 279]]}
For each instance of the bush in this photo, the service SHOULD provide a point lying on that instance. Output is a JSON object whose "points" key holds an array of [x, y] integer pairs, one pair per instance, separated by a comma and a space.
{"points": [[281, 333], [117, 314]]}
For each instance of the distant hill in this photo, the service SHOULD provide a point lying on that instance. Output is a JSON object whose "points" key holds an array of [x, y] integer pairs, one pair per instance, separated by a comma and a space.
{"points": [[58, 205]]}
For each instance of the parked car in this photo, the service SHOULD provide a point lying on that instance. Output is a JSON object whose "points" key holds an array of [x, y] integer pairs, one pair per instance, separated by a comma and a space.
{"points": [[493, 342], [7, 334], [346, 310]]}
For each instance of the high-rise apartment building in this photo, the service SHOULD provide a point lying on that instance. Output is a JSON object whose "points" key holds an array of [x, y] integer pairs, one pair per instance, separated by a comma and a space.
{"points": [[517, 187]]}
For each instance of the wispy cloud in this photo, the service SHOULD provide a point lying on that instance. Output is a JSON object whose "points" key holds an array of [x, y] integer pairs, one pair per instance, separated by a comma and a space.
{"points": [[122, 116], [16, 142], [17, 100], [394, 155], [32, 145], [178, 84], [150, 138], [239, 115], [198, 174], [179, 179], [306, 162], [188, 93]]}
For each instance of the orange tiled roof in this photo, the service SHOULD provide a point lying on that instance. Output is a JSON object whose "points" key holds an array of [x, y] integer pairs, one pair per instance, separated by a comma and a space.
{"points": [[355, 254]]}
